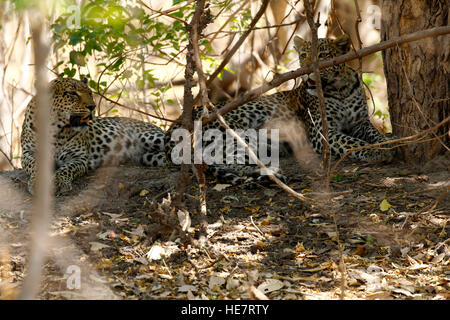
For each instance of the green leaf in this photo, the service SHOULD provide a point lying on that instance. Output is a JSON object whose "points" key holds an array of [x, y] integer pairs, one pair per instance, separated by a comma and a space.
{"points": [[92, 84], [367, 81], [379, 114], [77, 58], [70, 72], [75, 38], [337, 177]]}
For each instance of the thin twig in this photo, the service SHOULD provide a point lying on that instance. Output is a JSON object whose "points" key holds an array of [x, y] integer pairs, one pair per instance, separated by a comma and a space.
{"points": [[136, 110], [418, 135], [161, 13], [232, 16], [238, 43], [8, 159], [256, 227], [253, 156]]}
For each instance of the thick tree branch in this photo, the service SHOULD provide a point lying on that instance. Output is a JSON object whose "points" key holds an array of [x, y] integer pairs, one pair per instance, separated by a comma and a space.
{"points": [[279, 79]]}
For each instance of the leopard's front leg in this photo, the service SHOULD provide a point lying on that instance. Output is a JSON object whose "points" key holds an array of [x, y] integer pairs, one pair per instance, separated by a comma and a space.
{"points": [[365, 131], [340, 143], [67, 173], [29, 165], [72, 162]]}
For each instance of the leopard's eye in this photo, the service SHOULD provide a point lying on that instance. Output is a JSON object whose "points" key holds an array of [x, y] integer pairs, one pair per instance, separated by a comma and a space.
{"points": [[72, 92]]}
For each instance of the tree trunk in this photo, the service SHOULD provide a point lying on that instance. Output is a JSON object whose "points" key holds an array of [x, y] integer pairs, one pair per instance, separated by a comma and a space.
{"points": [[417, 74]]}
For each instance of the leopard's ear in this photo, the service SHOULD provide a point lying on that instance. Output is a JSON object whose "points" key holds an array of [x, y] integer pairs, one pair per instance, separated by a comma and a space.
{"points": [[343, 43], [299, 43], [54, 84]]}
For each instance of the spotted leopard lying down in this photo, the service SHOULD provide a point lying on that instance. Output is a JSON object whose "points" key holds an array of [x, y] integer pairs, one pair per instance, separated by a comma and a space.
{"points": [[346, 111], [82, 142]]}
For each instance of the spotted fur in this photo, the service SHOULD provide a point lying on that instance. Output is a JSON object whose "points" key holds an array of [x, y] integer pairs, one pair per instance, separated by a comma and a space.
{"points": [[263, 112], [83, 143], [345, 104], [346, 110]]}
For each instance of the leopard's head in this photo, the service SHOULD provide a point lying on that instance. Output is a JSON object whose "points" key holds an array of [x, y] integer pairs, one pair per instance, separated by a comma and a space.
{"points": [[72, 103], [337, 79]]}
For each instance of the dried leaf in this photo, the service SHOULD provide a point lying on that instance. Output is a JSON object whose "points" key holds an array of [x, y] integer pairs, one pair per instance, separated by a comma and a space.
{"points": [[385, 205], [270, 285], [333, 235], [233, 284], [215, 282], [184, 219], [252, 209], [360, 250], [230, 198], [105, 264], [139, 231], [323, 267], [219, 187], [96, 246], [191, 296], [113, 215], [156, 253], [187, 288]]}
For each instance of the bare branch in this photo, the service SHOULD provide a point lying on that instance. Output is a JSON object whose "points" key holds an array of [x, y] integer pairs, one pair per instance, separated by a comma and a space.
{"points": [[162, 13], [136, 110], [207, 103], [238, 43], [195, 28], [409, 138], [320, 98]]}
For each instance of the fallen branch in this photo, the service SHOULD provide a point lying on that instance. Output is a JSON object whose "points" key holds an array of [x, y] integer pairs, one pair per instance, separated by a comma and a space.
{"points": [[253, 156]]}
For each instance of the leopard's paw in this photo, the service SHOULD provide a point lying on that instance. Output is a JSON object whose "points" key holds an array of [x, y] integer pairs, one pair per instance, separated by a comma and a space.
{"points": [[62, 187]]}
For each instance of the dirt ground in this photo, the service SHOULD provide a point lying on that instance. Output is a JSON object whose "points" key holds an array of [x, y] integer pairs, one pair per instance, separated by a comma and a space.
{"points": [[383, 235]]}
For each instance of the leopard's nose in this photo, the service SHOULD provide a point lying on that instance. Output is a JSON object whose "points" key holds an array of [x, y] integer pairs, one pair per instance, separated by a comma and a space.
{"points": [[91, 107]]}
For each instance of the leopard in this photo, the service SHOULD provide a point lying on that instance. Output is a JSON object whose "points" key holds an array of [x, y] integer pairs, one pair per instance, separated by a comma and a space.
{"points": [[346, 109], [83, 142], [346, 113]]}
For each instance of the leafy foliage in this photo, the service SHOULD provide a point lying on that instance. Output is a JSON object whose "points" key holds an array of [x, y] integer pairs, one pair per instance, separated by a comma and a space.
{"points": [[120, 37], [124, 38]]}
